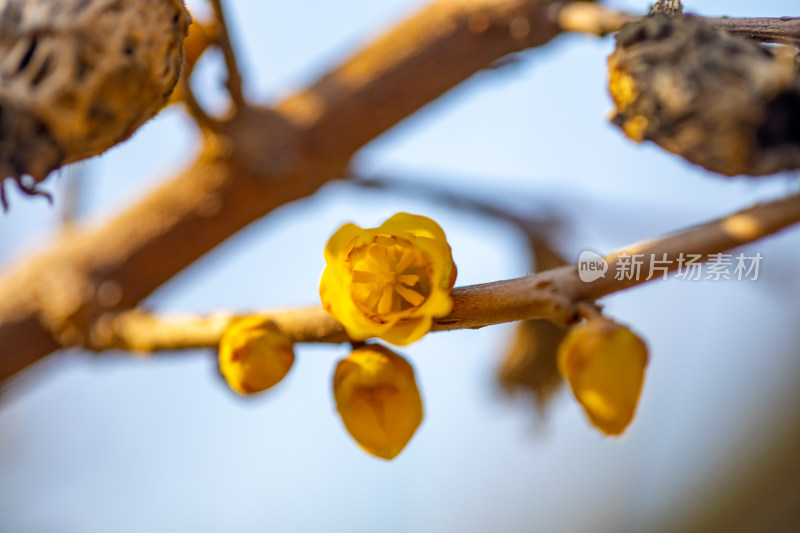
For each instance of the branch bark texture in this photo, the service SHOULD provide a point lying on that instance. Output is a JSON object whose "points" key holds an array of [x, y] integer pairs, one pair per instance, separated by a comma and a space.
{"points": [[261, 158], [556, 294]]}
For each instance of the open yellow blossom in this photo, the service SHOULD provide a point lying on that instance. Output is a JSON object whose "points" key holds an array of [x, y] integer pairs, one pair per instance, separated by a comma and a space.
{"points": [[388, 282], [378, 400], [604, 365], [254, 355]]}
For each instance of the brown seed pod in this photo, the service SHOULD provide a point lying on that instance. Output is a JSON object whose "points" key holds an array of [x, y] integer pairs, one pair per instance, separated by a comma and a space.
{"points": [[79, 76], [529, 365], [721, 101]]}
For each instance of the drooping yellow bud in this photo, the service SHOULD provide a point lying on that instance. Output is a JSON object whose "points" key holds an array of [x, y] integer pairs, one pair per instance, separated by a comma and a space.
{"points": [[604, 364], [378, 400], [254, 355], [388, 282]]}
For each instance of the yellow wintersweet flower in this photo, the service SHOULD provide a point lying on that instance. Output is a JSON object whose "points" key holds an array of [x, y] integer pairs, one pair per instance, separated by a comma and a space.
{"points": [[604, 365], [378, 399], [254, 355], [388, 282]]}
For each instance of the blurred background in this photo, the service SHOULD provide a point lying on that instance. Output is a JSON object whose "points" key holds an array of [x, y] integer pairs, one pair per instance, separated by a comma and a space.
{"points": [[128, 444]]}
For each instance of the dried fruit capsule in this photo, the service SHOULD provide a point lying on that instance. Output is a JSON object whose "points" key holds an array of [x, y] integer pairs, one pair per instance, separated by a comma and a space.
{"points": [[721, 101], [79, 76]]}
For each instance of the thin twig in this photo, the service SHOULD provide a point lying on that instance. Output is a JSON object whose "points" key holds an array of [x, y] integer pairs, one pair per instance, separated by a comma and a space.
{"points": [[555, 294], [784, 30], [196, 111], [532, 226], [596, 19], [234, 82], [196, 44]]}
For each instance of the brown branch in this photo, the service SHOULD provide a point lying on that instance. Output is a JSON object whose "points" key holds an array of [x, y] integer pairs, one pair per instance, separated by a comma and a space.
{"points": [[201, 36], [591, 18], [193, 107], [784, 30], [234, 81], [595, 19], [558, 294], [145, 332], [259, 160]]}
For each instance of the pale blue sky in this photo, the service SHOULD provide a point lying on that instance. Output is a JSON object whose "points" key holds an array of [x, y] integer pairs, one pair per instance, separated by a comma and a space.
{"points": [[123, 444]]}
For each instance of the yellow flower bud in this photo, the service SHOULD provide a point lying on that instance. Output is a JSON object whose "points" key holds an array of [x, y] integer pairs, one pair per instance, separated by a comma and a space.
{"points": [[254, 355], [388, 282], [378, 400], [604, 365]]}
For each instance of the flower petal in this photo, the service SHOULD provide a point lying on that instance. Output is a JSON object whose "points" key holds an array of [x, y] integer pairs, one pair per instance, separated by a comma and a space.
{"points": [[416, 225], [406, 331], [391, 281], [339, 241]]}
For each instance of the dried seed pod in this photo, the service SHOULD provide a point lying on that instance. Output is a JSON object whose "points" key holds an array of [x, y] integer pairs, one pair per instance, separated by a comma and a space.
{"points": [[529, 364], [79, 76], [721, 101]]}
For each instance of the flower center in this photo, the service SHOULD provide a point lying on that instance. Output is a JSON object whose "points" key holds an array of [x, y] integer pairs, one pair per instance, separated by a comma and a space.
{"points": [[390, 275]]}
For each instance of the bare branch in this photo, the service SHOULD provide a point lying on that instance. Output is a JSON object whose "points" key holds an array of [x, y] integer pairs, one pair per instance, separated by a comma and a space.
{"points": [[194, 108], [596, 19], [262, 159], [557, 295], [784, 30], [234, 82], [530, 225], [592, 18], [199, 38], [144, 332]]}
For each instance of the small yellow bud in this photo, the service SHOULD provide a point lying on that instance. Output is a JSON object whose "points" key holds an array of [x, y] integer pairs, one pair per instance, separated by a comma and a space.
{"points": [[378, 400], [604, 364], [254, 355]]}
